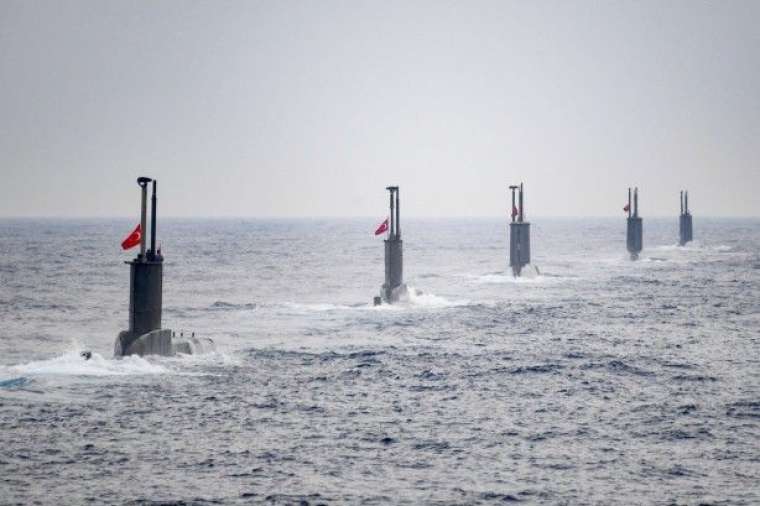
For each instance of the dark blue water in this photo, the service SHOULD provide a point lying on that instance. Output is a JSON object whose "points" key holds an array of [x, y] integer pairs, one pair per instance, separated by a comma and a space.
{"points": [[599, 381]]}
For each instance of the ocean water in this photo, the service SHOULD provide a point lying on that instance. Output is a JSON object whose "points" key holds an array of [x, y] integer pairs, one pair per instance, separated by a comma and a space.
{"points": [[598, 381]]}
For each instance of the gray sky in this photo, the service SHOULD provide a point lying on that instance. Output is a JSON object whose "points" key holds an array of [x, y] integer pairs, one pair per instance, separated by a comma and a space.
{"points": [[310, 108]]}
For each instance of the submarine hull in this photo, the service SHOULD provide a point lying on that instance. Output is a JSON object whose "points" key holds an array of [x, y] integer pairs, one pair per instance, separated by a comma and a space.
{"points": [[160, 342]]}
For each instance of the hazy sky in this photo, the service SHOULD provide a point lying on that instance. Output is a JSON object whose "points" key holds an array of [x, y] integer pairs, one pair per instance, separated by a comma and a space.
{"points": [[311, 108]]}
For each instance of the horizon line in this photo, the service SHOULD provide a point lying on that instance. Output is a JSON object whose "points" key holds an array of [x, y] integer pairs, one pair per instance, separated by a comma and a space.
{"points": [[357, 217]]}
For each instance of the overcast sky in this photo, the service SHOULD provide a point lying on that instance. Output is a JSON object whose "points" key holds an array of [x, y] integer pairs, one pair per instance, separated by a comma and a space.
{"points": [[311, 108]]}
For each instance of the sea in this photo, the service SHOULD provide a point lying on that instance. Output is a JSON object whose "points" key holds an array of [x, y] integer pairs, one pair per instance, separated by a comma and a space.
{"points": [[593, 379]]}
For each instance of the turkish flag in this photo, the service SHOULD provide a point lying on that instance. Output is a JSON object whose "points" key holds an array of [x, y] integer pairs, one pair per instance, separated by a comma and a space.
{"points": [[514, 212], [132, 239], [382, 228], [627, 208]]}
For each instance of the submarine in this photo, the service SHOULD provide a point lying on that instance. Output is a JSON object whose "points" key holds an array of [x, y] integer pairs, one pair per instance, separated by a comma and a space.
{"points": [[394, 288], [685, 224], [519, 234], [634, 226], [145, 334]]}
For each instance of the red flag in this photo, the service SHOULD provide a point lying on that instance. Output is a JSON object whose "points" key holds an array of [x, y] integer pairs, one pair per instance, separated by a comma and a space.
{"points": [[382, 228], [515, 212], [627, 208], [132, 239]]}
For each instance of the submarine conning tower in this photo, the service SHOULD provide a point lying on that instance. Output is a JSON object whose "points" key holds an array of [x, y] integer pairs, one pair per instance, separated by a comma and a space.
{"points": [[146, 273], [519, 233], [394, 286], [685, 231], [635, 228], [145, 336]]}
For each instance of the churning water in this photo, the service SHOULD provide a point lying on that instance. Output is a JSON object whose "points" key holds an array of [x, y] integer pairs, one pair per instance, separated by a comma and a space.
{"points": [[598, 381]]}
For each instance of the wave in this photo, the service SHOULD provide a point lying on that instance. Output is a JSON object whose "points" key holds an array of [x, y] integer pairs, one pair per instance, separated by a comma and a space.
{"points": [[221, 305], [413, 298], [422, 299], [72, 364], [699, 246], [15, 383], [692, 247], [319, 307], [529, 276], [650, 259], [506, 278], [209, 358]]}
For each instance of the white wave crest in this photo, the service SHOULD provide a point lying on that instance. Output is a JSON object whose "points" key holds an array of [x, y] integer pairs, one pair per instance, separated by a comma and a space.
{"points": [[418, 298], [317, 307], [529, 275], [72, 364]]}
